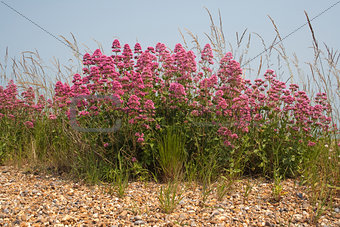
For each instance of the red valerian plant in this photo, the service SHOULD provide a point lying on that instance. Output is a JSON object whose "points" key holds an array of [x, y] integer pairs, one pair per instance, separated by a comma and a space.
{"points": [[158, 87]]}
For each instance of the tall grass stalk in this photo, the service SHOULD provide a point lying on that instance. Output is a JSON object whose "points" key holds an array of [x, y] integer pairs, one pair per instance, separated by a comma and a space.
{"points": [[170, 196], [172, 153]]}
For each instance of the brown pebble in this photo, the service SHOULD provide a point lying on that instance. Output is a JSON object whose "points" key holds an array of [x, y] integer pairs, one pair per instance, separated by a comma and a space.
{"points": [[37, 200]]}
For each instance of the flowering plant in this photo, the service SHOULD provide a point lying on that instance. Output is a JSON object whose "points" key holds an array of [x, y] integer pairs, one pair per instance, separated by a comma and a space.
{"points": [[220, 111]]}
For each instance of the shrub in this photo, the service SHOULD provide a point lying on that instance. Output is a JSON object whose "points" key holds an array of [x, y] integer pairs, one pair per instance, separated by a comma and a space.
{"points": [[247, 127]]}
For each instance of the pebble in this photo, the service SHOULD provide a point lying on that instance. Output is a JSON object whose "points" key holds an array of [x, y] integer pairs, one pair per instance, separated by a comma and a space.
{"points": [[16, 222], [136, 218], [139, 222], [182, 216], [215, 212], [283, 209], [6, 211], [33, 200], [193, 223], [297, 217], [124, 213], [299, 194], [305, 205]]}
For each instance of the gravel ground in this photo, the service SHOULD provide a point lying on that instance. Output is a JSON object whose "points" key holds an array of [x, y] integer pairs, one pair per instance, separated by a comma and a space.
{"points": [[35, 199]]}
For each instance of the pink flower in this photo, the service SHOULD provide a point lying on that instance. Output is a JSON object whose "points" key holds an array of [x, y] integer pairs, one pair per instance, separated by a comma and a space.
{"points": [[84, 113], [96, 54], [106, 144], [116, 46], [227, 143], [134, 102], [127, 53], [29, 124], [310, 144], [195, 113], [138, 48], [140, 137], [219, 93], [133, 159], [52, 117], [140, 140], [146, 126], [151, 49], [177, 89], [160, 48], [234, 136], [245, 129], [223, 104], [207, 54], [149, 105]]}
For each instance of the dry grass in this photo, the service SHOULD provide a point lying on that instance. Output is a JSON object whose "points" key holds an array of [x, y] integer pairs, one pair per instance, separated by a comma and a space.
{"points": [[30, 70], [323, 74]]}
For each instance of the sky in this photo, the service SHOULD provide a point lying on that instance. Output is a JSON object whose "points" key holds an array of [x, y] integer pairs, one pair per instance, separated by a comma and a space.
{"points": [[151, 21]]}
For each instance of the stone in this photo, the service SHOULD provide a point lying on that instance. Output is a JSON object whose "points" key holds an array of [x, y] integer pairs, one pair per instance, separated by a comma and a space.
{"points": [[67, 218], [23, 217], [123, 213], [298, 217], [139, 222], [268, 224], [215, 212], [193, 223], [6, 211], [305, 214], [98, 207], [305, 205], [16, 222], [182, 216], [136, 218], [299, 194]]}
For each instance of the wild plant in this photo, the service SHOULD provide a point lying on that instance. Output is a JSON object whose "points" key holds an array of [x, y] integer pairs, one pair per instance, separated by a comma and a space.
{"points": [[155, 89], [172, 154], [247, 190], [223, 187], [170, 196]]}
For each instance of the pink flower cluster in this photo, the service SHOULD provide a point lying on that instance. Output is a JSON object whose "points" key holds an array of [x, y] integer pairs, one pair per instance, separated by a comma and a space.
{"points": [[25, 110], [148, 83], [140, 136]]}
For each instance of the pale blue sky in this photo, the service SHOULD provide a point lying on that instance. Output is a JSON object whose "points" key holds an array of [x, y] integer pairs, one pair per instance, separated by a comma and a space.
{"points": [[152, 21]]}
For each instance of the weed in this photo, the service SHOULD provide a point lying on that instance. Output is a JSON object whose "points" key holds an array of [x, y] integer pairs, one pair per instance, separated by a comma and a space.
{"points": [[223, 187], [170, 196], [172, 154], [121, 178], [277, 190], [247, 190]]}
